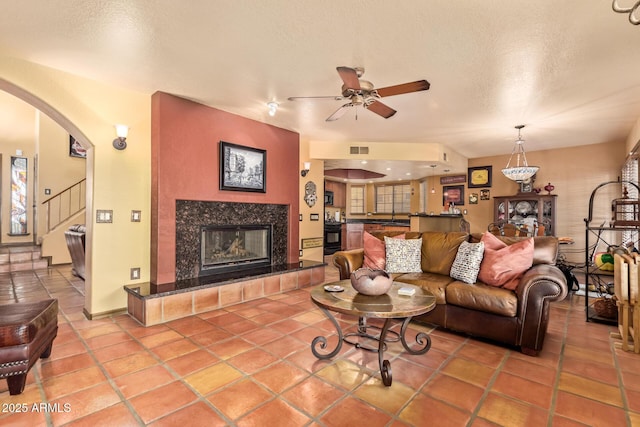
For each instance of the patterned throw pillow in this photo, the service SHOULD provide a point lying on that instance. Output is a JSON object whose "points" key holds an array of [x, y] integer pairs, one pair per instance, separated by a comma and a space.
{"points": [[466, 266], [403, 256], [374, 252]]}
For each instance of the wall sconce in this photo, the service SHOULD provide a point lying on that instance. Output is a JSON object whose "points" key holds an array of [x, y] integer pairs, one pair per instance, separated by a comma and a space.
{"points": [[273, 108], [120, 143], [305, 171]]}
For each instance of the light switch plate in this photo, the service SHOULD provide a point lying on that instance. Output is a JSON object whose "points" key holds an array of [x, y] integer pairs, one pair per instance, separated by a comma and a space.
{"points": [[104, 216], [47, 191], [135, 273], [135, 216]]}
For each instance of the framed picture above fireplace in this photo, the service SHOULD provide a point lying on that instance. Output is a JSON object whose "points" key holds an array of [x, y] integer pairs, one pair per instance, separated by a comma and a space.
{"points": [[242, 168]]}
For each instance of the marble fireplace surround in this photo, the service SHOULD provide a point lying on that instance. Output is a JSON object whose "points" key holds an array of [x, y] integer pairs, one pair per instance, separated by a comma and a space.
{"points": [[191, 215]]}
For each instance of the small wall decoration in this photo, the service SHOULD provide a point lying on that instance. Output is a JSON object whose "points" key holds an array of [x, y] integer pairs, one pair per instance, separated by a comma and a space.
{"points": [[313, 242], [314, 217], [473, 198], [479, 176], [310, 195], [75, 149], [484, 195], [242, 168], [453, 194], [453, 179]]}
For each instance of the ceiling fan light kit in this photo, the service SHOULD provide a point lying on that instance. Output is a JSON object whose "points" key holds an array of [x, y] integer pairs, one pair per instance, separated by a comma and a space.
{"points": [[519, 172], [362, 93]]}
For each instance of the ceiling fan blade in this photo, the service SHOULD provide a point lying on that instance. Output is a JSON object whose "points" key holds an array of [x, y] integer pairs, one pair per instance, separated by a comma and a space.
{"points": [[403, 88], [350, 77], [381, 109], [339, 112], [335, 98]]}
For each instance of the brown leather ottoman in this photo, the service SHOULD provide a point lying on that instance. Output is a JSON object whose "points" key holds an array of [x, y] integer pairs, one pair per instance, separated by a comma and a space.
{"points": [[27, 331]]}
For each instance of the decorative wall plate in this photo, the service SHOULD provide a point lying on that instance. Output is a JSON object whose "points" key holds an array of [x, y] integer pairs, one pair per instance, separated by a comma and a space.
{"points": [[523, 208]]}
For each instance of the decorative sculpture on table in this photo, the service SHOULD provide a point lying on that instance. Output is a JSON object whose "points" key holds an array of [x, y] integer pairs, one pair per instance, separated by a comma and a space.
{"points": [[371, 282]]}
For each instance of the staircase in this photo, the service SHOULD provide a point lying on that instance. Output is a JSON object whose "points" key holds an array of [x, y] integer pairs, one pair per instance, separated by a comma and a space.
{"points": [[21, 258]]}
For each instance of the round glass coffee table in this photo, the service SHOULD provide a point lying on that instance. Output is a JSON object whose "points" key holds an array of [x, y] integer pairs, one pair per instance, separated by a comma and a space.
{"points": [[389, 306]]}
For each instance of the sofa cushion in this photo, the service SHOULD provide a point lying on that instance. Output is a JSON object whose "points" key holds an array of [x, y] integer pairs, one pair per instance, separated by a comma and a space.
{"points": [[434, 283], [479, 296], [467, 263], [403, 256], [374, 251], [439, 249], [545, 248], [503, 265]]}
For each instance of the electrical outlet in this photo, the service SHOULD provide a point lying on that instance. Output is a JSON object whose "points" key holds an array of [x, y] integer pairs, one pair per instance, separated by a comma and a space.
{"points": [[300, 252], [135, 273]]}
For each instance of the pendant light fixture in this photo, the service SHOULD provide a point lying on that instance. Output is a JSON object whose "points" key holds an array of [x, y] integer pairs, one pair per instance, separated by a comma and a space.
{"points": [[433, 186], [519, 172]]}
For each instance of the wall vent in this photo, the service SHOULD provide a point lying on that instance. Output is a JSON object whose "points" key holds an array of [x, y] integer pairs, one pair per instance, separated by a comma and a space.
{"points": [[358, 150]]}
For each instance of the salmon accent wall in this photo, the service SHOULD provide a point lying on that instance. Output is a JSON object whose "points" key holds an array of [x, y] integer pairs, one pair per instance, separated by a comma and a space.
{"points": [[185, 163]]}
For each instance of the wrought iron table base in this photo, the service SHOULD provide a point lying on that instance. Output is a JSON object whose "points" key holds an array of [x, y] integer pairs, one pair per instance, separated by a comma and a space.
{"points": [[422, 339]]}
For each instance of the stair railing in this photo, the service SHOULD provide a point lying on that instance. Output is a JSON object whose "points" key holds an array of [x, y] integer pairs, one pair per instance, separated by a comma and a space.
{"points": [[65, 204]]}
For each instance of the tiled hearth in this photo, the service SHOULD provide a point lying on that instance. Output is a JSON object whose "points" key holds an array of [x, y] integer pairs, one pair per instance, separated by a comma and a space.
{"points": [[153, 304]]}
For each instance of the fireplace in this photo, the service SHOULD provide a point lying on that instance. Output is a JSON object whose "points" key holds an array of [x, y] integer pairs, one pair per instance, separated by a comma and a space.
{"points": [[225, 248], [193, 216]]}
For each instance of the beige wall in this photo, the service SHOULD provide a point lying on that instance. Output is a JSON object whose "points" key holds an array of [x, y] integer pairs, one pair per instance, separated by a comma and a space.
{"points": [[117, 180], [308, 228], [634, 138]]}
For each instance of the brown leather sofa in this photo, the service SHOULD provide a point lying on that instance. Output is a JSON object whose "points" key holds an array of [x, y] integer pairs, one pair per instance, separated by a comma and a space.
{"points": [[75, 237], [517, 318]]}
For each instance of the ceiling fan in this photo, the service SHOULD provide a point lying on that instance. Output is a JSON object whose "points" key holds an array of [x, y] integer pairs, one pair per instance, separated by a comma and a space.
{"points": [[361, 93]]}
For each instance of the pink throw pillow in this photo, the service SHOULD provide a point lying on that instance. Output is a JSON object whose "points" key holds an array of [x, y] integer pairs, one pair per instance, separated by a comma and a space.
{"points": [[503, 265], [374, 252]]}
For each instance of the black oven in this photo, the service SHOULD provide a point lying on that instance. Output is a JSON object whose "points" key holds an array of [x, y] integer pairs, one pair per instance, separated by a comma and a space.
{"points": [[332, 237]]}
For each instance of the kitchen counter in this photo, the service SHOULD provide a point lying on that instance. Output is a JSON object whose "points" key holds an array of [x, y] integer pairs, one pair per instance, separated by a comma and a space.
{"points": [[388, 222], [442, 222]]}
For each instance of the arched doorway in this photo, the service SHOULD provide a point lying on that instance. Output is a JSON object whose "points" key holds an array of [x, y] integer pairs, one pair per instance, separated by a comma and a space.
{"points": [[69, 127]]}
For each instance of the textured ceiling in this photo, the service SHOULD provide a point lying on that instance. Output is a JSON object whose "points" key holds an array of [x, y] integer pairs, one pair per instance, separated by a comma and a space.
{"points": [[569, 70]]}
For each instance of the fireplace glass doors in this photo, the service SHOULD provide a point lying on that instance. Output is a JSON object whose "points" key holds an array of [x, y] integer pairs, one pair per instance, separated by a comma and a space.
{"points": [[227, 248]]}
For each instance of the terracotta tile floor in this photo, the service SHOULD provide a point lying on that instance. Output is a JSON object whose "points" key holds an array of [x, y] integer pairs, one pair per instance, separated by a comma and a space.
{"points": [[251, 365]]}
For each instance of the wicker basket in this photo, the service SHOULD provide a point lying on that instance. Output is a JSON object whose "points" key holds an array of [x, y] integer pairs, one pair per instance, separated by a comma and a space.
{"points": [[606, 307]]}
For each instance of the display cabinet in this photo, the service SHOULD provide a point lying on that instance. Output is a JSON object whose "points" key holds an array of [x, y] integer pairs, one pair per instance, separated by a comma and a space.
{"points": [[530, 209]]}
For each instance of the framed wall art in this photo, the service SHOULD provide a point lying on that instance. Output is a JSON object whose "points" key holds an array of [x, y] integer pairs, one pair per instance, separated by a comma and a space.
{"points": [[75, 149], [479, 176], [485, 195], [242, 168], [453, 194]]}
